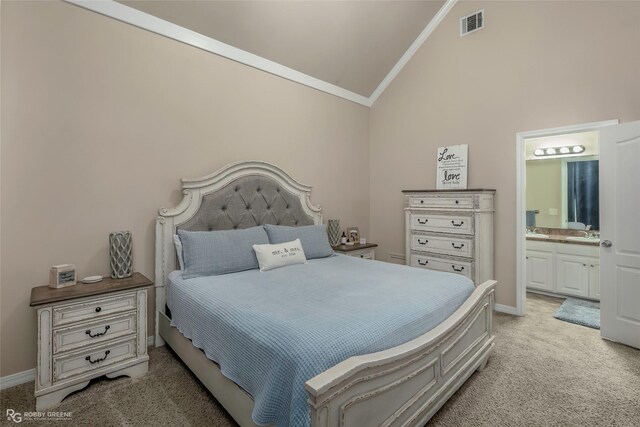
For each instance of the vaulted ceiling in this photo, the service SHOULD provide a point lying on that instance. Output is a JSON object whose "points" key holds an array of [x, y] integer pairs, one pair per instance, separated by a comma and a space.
{"points": [[349, 44]]}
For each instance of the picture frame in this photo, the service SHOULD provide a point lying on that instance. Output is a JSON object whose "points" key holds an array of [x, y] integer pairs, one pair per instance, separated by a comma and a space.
{"points": [[353, 234], [62, 275]]}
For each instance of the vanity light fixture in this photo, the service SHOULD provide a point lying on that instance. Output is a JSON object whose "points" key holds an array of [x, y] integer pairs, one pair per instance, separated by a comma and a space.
{"points": [[552, 151]]}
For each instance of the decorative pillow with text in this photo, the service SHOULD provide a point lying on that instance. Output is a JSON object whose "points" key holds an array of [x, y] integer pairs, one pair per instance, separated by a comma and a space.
{"points": [[274, 256]]}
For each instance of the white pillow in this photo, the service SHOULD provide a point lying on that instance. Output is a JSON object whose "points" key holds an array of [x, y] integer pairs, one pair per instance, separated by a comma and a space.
{"points": [[274, 256], [178, 244]]}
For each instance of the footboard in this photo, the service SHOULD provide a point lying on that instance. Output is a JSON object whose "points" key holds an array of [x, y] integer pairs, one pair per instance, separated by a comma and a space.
{"points": [[407, 384]]}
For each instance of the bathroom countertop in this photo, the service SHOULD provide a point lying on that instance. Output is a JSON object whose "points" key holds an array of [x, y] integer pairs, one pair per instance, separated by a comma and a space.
{"points": [[557, 238]]}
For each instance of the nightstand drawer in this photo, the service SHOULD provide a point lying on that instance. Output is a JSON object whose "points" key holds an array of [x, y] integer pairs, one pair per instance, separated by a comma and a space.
{"points": [[89, 330], [364, 251], [439, 202], [457, 224], [458, 246], [91, 309], [81, 362], [440, 264], [93, 332], [364, 254]]}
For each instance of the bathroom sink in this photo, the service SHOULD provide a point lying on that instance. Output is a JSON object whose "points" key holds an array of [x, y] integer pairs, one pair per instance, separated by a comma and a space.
{"points": [[584, 239], [538, 235]]}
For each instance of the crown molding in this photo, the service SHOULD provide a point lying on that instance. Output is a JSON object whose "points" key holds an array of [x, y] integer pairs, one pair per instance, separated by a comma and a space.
{"points": [[424, 35], [145, 21], [159, 26]]}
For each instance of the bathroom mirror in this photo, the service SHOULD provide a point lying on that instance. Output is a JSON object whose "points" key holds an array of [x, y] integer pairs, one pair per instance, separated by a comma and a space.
{"points": [[563, 192]]}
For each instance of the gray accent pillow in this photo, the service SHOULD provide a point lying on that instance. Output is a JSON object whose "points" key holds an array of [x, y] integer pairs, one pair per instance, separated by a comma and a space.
{"points": [[209, 253], [314, 238]]}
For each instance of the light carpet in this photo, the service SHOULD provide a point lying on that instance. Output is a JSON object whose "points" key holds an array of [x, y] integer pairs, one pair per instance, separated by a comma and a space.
{"points": [[544, 372]]}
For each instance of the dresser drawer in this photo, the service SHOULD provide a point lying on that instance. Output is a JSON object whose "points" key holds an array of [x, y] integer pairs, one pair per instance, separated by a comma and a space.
{"points": [[91, 309], [82, 362], [93, 332], [451, 266], [458, 246], [457, 224], [461, 201]]}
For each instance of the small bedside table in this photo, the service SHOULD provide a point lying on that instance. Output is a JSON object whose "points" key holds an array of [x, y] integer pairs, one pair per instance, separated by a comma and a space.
{"points": [[366, 251], [89, 330]]}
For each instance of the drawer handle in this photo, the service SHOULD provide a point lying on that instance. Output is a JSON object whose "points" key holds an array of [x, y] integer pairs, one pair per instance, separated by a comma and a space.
{"points": [[457, 247], [425, 262], [98, 309], [457, 202], [99, 334], [88, 358], [423, 242], [457, 225], [455, 269], [420, 221], [421, 201]]}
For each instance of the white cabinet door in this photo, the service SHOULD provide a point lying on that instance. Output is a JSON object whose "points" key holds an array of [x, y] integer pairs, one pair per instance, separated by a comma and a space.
{"points": [[594, 278], [540, 270], [572, 275]]}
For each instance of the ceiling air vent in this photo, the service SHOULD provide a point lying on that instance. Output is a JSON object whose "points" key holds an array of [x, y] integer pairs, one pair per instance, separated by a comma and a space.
{"points": [[471, 23]]}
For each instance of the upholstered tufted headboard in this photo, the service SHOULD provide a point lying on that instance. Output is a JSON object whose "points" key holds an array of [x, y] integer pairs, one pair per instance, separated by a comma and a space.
{"points": [[246, 202], [240, 195]]}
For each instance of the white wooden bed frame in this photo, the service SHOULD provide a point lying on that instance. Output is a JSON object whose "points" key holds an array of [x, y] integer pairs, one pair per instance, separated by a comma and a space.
{"points": [[404, 385]]}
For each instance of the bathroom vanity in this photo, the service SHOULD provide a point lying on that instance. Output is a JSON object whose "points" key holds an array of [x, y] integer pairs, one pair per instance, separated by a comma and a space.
{"points": [[564, 265]]}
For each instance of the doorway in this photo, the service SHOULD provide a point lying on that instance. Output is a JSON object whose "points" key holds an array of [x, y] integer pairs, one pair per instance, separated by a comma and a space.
{"points": [[565, 214]]}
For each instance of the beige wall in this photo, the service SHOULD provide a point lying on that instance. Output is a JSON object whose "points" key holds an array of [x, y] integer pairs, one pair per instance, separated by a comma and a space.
{"points": [[535, 65], [100, 120], [544, 191]]}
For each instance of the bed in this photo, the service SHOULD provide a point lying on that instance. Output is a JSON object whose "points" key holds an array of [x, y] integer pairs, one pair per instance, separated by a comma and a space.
{"points": [[395, 365]]}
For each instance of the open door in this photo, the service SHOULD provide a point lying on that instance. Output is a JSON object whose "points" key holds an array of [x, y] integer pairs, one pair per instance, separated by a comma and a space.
{"points": [[620, 233]]}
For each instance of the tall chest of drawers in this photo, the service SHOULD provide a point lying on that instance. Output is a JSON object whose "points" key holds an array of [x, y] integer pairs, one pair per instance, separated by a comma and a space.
{"points": [[86, 331], [450, 230]]}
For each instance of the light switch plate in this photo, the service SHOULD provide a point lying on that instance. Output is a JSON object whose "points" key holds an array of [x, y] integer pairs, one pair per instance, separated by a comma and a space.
{"points": [[553, 211]]}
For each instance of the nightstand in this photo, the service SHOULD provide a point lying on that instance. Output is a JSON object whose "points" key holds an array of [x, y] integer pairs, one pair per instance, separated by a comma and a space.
{"points": [[89, 330], [366, 251]]}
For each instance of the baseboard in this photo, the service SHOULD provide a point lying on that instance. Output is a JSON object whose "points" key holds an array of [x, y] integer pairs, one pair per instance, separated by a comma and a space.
{"points": [[30, 375], [507, 309], [396, 258], [545, 293], [17, 379]]}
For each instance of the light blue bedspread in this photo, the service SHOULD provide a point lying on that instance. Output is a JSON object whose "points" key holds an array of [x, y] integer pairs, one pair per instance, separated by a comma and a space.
{"points": [[272, 331]]}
